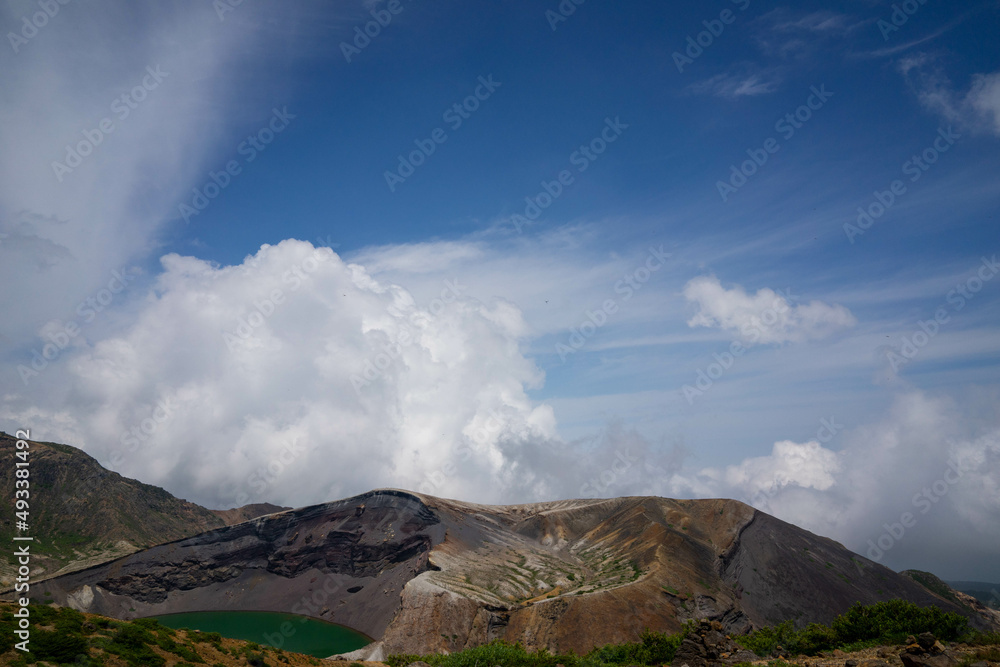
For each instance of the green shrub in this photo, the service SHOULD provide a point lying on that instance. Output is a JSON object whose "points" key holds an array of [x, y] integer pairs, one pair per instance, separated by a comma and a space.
{"points": [[56, 646], [978, 638], [886, 622], [494, 653], [131, 643], [766, 640], [892, 620], [654, 648]]}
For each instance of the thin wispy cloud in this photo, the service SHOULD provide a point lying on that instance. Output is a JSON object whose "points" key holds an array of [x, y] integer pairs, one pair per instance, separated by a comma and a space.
{"points": [[736, 85], [975, 109]]}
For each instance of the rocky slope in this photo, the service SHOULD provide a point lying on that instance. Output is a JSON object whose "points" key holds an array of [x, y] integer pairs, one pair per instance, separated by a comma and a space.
{"points": [[423, 574], [82, 514]]}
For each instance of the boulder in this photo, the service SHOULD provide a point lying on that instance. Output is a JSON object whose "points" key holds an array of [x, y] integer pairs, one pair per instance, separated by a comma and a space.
{"points": [[927, 659]]}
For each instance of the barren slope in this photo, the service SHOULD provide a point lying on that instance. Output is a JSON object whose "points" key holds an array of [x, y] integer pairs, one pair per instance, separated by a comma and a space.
{"points": [[423, 574], [82, 514]]}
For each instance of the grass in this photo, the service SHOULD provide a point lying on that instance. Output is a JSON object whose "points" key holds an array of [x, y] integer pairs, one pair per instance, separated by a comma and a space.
{"points": [[886, 622], [992, 654], [860, 627], [653, 648]]}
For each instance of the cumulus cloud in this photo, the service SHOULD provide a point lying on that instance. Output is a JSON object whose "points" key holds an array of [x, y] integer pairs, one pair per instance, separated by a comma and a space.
{"points": [[298, 378], [764, 317], [925, 457], [809, 465], [976, 109]]}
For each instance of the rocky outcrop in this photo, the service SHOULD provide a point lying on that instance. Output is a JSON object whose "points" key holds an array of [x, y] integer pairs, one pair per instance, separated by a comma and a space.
{"points": [[926, 651], [706, 645], [423, 574]]}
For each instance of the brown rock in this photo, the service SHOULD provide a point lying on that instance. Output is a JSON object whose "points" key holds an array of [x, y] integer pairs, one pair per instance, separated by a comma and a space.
{"points": [[691, 652], [910, 639], [873, 663], [926, 640], [851, 663], [942, 660], [743, 655], [717, 626], [837, 653], [937, 648]]}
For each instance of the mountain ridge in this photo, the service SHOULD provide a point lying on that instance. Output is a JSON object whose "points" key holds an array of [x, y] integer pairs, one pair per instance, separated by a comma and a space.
{"points": [[423, 574], [83, 514]]}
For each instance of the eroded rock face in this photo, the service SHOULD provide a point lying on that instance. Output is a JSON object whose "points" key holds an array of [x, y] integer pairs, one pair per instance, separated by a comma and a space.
{"points": [[344, 562], [424, 574]]}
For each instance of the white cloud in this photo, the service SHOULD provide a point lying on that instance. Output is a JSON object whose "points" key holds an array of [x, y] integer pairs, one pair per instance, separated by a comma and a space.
{"points": [[764, 317], [299, 378], [66, 232], [746, 84], [809, 465], [926, 456], [976, 110]]}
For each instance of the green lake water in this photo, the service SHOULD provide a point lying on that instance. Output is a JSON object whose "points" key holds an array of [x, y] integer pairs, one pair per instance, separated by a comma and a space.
{"points": [[290, 632]]}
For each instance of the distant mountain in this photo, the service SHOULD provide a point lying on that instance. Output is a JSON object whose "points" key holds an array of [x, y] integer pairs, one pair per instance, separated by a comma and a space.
{"points": [[987, 593], [81, 514], [423, 574]]}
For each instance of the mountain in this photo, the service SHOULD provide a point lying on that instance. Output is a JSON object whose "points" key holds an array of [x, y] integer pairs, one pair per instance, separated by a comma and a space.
{"points": [[423, 574], [81, 514], [987, 593]]}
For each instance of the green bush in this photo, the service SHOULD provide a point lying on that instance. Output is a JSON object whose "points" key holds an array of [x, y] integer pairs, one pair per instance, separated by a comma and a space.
{"points": [[766, 640], [886, 622], [131, 643], [892, 620], [494, 653], [57, 647], [654, 648], [978, 638]]}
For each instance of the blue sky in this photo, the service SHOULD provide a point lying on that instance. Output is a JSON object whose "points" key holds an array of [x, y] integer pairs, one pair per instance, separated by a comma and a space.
{"points": [[819, 313]]}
